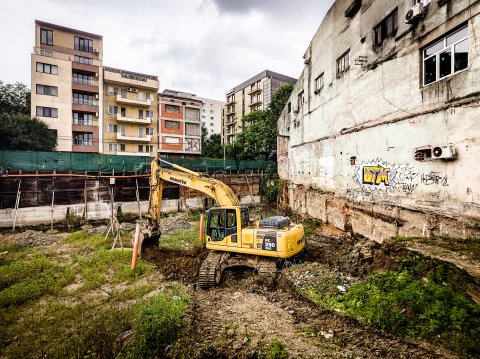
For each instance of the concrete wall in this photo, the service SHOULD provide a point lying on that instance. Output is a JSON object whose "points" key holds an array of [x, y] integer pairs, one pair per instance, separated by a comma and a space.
{"points": [[348, 151], [43, 215]]}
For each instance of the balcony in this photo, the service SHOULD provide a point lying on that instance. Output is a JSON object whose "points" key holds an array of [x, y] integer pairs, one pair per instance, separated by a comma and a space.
{"points": [[255, 103], [81, 101], [255, 90], [143, 121], [128, 101], [123, 137], [231, 102]]}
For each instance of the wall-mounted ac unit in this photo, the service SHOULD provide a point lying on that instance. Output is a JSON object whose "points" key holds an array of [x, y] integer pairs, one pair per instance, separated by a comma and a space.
{"points": [[132, 89], [96, 96], [414, 13], [446, 152], [95, 50], [97, 75]]}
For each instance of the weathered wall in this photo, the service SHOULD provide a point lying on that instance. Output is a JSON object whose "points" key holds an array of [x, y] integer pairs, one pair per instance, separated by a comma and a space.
{"points": [[348, 153]]}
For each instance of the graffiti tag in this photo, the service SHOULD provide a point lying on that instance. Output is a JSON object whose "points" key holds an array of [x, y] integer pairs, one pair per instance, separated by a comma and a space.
{"points": [[434, 178]]}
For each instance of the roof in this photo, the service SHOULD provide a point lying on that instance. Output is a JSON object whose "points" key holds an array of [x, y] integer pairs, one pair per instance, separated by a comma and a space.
{"points": [[120, 71], [67, 29], [261, 75]]}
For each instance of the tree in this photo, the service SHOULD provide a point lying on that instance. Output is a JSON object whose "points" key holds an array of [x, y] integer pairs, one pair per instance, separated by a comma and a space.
{"points": [[14, 99], [20, 132], [213, 147]]}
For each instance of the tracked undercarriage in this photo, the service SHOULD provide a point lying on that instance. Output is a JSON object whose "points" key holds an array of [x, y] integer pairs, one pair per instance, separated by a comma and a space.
{"points": [[216, 262]]}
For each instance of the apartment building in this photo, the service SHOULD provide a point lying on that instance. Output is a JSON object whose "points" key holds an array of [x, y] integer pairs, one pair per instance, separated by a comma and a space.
{"points": [[211, 115], [380, 135], [130, 113], [251, 95], [179, 125], [66, 69]]}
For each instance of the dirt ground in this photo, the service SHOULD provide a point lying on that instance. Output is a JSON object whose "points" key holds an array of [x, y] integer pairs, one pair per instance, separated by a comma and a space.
{"points": [[240, 318]]}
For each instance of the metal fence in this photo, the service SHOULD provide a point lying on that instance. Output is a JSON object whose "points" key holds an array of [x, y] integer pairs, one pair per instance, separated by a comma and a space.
{"points": [[74, 162]]}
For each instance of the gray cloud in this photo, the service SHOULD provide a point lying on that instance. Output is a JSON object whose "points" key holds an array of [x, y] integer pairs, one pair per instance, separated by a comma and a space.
{"points": [[202, 46]]}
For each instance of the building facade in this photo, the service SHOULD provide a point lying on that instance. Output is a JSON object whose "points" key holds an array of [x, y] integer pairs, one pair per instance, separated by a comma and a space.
{"points": [[252, 95], [211, 115], [380, 134], [66, 69], [179, 125], [130, 113]]}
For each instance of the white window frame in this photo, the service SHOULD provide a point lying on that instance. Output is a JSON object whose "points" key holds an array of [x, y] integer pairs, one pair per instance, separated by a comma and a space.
{"points": [[169, 140], [441, 51]]}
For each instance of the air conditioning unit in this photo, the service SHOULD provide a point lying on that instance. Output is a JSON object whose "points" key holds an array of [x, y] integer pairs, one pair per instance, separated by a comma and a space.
{"points": [[95, 50], [446, 152], [96, 96], [96, 75], [96, 114], [134, 89], [414, 13]]}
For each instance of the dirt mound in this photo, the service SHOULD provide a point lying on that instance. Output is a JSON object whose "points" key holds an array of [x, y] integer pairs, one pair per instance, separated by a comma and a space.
{"points": [[32, 238], [175, 264], [176, 222]]}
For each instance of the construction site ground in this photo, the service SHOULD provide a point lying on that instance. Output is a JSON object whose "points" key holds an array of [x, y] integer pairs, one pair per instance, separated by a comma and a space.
{"points": [[249, 316]]}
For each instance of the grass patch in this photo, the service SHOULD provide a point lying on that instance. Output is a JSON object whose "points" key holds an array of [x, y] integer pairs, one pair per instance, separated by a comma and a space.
{"points": [[41, 319], [25, 280], [181, 240], [276, 350], [424, 298]]}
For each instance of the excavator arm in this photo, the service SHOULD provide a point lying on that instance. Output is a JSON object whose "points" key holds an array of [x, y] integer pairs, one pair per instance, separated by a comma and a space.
{"points": [[219, 191]]}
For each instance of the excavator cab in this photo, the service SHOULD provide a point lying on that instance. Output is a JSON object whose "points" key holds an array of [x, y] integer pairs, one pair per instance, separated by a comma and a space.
{"points": [[224, 225]]}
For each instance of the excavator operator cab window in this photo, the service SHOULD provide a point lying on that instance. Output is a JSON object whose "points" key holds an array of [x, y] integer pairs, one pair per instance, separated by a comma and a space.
{"points": [[216, 225], [245, 216]]}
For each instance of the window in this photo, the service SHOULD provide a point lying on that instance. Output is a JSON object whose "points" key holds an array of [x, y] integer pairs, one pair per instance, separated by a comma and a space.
{"points": [[172, 109], [47, 68], [46, 53], [172, 125], [83, 138], [112, 91], [172, 140], [301, 99], [113, 147], [149, 131], [83, 79], [112, 128], [46, 37], [47, 90], [84, 99], [84, 119], [112, 110], [83, 44], [140, 132], [140, 148], [192, 129], [446, 57], [149, 114], [343, 63], [140, 114], [83, 60], [141, 96], [47, 111], [387, 28], [149, 96], [123, 130], [123, 112], [149, 148], [122, 147], [289, 107], [319, 84]]}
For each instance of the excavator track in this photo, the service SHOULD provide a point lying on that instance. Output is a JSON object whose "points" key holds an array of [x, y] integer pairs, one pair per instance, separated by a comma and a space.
{"points": [[211, 269], [267, 267]]}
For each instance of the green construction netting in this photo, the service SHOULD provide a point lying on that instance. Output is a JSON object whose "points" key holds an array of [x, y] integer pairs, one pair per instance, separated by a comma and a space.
{"points": [[66, 162]]}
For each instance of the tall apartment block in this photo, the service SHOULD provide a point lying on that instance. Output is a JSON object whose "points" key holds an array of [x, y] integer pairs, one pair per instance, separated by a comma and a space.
{"points": [[252, 95], [130, 112], [179, 125], [211, 115], [67, 85]]}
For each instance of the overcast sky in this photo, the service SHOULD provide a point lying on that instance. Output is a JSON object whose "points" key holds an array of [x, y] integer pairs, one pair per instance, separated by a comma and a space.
{"points": [[201, 46]]}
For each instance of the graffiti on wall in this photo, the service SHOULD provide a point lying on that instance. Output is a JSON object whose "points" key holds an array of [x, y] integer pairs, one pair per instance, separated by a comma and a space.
{"points": [[381, 177]]}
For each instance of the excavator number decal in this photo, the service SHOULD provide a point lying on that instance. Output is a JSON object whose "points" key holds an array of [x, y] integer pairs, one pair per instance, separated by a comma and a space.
{"points": [[269, 243]]}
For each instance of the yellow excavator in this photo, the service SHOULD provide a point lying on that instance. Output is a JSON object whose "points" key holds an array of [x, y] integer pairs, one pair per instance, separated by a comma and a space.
{"points": [[232, 239]]}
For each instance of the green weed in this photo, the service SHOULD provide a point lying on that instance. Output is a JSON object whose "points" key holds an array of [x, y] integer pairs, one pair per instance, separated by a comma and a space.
{"points": [[157, 324], [181, 240], [276, 350]]}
